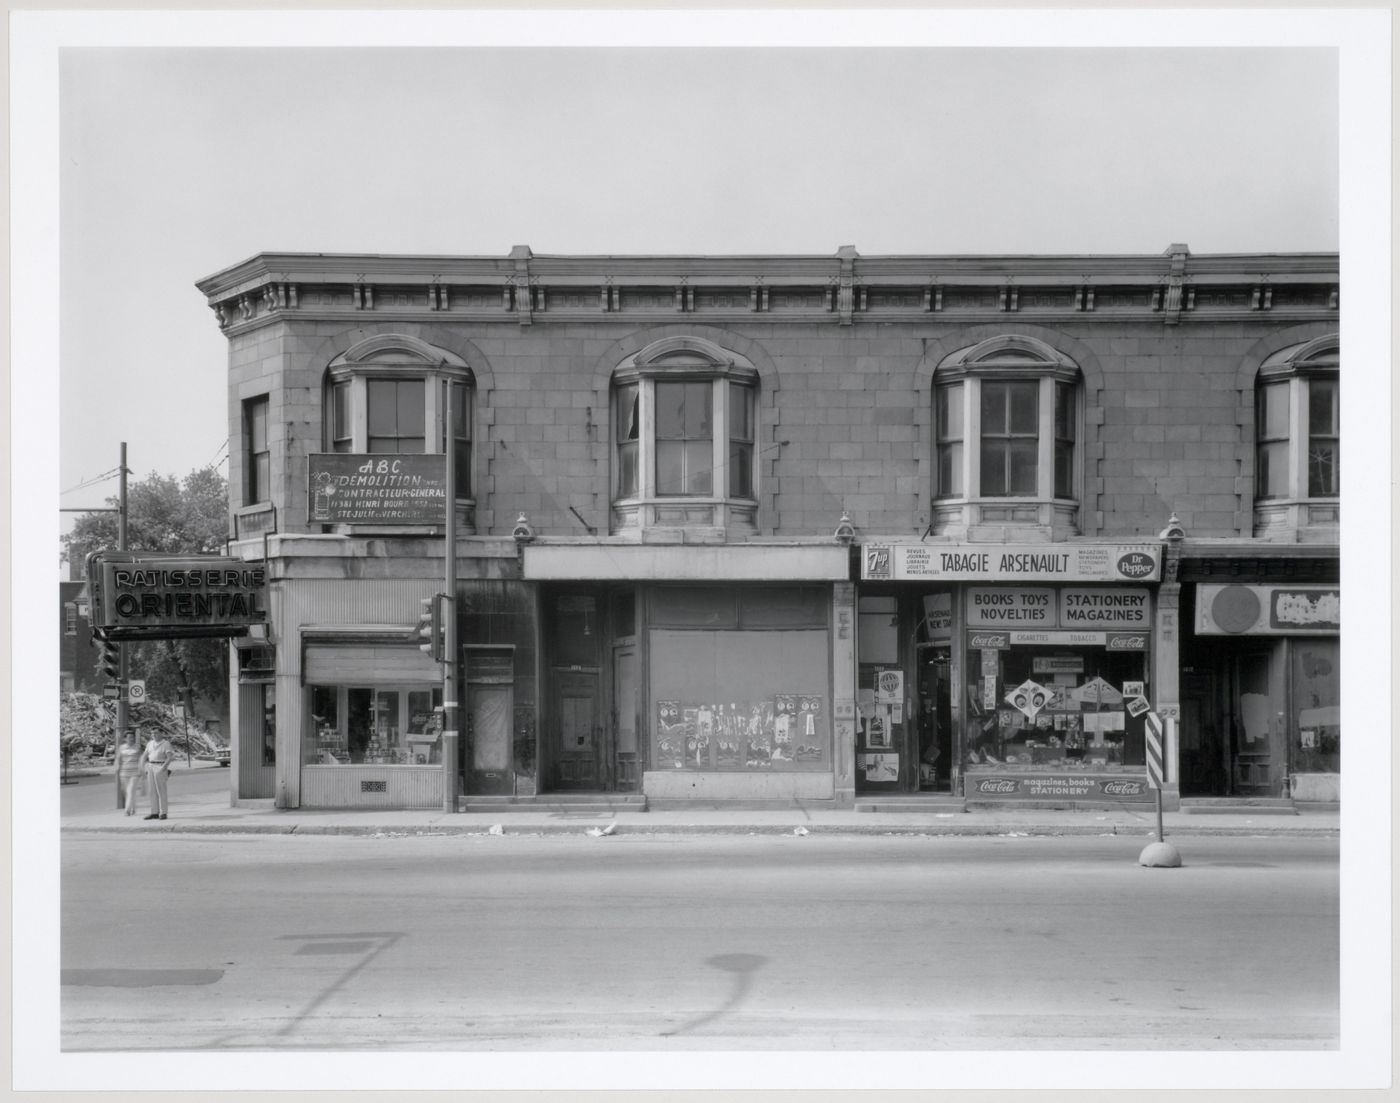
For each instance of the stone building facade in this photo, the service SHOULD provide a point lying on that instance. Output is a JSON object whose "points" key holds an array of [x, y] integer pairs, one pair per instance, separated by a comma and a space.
{"points": [[791, 529]]}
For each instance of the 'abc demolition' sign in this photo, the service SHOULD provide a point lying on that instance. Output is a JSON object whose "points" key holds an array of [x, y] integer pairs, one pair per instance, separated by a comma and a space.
{"points": [[345, 488]]}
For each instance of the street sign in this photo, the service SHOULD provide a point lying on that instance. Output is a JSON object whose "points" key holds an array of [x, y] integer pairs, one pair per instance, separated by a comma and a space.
{"points": [[136, 691], [112, 692], [1152, 726]]}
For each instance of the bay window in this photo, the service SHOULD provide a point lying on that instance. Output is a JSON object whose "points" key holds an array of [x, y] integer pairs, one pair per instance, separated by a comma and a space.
{"points": [[684, 427], [1297, 438], [1006, 422], [397, 395]]}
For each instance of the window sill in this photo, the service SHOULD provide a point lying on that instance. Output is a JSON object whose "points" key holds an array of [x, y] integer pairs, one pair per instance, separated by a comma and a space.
{"points": [[719, 518], [1014, 519], [1301, 521]]}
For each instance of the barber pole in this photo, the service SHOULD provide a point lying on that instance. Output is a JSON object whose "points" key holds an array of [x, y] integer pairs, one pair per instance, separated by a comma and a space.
{"points": [[1152, 728]]}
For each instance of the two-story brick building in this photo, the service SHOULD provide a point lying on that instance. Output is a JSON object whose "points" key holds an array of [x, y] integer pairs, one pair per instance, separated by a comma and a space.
{"points": [[783, 529]]}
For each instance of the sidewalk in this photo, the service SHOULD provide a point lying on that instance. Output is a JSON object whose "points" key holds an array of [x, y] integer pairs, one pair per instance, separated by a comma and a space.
{"points": [[211, 814]]}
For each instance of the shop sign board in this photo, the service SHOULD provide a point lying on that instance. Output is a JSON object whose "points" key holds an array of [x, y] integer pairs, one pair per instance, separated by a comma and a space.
{"points": [[995, 641], [1010, 606], [1105, 607], [1010, 787], [1240, 610], [138, 596], [938, 616], [1057, 664], [360, 488], [1012, 562]]}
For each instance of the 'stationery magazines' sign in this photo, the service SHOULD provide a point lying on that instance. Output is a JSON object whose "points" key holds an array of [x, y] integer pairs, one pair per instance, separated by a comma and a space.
{"points": [[358, 488]]}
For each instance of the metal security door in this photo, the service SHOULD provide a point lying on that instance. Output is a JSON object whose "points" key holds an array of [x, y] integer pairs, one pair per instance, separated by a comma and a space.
{"points": [[577, 752]]}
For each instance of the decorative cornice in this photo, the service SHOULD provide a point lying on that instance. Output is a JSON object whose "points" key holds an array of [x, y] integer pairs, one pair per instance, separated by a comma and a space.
{"points": [[525, 288]]}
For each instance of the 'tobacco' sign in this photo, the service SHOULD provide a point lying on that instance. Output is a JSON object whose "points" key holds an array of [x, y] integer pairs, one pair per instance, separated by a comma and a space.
{"points": [[1013, 562]]}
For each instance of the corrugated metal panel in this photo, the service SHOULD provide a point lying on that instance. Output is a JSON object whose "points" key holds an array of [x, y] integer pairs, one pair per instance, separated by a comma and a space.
{"points": [[368, 664], [388, 787], [355, 601], [254, 779]]}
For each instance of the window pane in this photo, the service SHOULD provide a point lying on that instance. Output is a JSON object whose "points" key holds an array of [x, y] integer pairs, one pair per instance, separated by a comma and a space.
{"points": [[1025, 407], [1021, 463], [627, 469], [461, 411], [950, 472], [462, 461], [1323, 474], [1271, 475], [341, 424], [383, 408], [1064, 469], [261, 478], [257, 425], [993, 408], [670, 467], [949, 413], [682, 410], [409, 400], [1064, 411], [1271, 412], [627, 418], [1322, 407], [740, 412], [699, 467], [993, 468], [740, 469]]}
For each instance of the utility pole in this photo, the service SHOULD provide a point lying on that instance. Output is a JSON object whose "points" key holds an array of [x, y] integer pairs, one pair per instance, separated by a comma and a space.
{"points": [[449, 629], [119, 728]]}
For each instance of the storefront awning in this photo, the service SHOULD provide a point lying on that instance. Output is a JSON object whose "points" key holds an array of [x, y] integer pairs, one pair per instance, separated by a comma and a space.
{"points": [[687, 563]]}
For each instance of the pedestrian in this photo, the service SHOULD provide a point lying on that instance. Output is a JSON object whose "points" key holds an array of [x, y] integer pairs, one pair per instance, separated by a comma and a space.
{"points": [[156, 759], [129, 771]]}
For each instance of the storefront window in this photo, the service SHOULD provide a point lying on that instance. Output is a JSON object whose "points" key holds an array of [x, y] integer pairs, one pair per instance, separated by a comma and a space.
{"points": [[269, 725], [353, 725], [1317, 722]]}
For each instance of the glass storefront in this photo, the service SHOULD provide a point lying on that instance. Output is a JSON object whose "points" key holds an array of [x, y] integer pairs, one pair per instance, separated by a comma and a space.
{"points": [[375, 725]]}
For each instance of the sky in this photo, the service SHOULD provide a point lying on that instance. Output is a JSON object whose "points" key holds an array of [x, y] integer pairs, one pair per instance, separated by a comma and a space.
{"points": [[153, 149], [176, 163]]}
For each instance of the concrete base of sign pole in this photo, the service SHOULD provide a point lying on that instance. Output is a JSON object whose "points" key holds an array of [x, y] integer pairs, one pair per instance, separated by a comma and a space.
{"points": [[1160, 855]]}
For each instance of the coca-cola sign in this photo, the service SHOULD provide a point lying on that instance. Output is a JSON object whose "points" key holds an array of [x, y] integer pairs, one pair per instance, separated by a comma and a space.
{"points": [[1126, 641], [1103, 788], [989, 640]]}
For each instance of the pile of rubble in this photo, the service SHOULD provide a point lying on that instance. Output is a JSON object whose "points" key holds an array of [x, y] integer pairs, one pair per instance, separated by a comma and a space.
{"points": [[86, 724]]}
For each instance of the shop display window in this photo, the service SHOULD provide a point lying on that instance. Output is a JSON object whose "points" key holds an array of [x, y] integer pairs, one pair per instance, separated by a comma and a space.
{"points": [[1317, 721], [374, 725], [1074, 711]]}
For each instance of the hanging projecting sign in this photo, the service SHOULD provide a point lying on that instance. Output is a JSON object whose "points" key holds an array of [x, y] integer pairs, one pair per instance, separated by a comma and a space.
{"points": [[159, 597], [346, 488], [1013, 562]]}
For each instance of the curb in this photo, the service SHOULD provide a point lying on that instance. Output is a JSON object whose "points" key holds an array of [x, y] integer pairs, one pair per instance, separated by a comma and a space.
{"points": [[932, 830]]}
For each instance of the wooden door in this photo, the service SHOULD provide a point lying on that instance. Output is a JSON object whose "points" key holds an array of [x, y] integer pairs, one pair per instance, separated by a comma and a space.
{"points": [[626, 708], [1254, 763], [1204, 755], [577, 736]]}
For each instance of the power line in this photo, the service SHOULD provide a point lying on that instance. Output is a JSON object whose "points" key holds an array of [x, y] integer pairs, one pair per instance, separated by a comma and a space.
{"points": [[94, 480]]}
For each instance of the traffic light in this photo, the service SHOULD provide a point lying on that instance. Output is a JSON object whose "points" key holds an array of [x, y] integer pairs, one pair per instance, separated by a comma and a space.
{"points": [[428, 631], [111, 660]]}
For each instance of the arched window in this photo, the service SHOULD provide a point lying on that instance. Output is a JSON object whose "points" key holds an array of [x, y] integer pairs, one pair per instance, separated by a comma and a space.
{"points": [[395, 394], [683, 417], [1297, 437], [1007, 416]]}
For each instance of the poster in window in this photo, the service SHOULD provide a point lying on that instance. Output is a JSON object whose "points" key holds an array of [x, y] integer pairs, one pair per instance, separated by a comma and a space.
{"points": [[670, 735]]}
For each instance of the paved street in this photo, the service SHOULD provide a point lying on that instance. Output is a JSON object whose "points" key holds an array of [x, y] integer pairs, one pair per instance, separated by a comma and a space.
{"points": [[695, 942]]}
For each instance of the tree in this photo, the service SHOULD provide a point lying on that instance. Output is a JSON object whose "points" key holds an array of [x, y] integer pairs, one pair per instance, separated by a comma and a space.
{"points": [[168, 516]]}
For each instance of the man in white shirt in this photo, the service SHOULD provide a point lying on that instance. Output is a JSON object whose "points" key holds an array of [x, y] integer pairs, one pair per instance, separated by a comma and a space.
{"points": [[156, 760]]}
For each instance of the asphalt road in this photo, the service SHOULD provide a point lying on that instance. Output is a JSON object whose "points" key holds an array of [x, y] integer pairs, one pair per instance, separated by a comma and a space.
{"points": [[187, 942]]}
